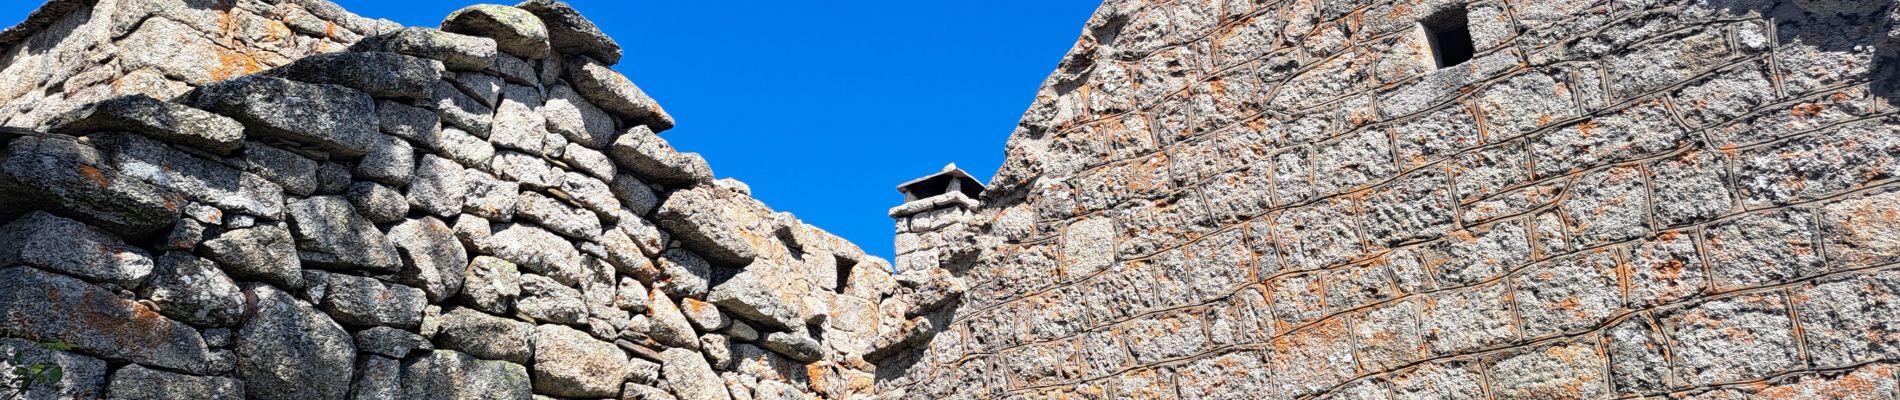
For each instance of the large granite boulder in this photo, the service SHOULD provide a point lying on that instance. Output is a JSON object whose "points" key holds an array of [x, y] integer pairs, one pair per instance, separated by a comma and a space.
{"points": [[452, 375], [73, 248], [331, 234], [613, 92], [72, 178], [570, 32], [703, 220], [570, 363]]}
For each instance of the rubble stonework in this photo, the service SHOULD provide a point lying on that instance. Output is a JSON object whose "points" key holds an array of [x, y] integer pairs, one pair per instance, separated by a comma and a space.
{"points": [[277, 199], [1292, 199]]}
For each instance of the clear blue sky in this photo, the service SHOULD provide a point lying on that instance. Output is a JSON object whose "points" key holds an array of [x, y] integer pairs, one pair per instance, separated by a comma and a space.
{"points": [[822, 106]]}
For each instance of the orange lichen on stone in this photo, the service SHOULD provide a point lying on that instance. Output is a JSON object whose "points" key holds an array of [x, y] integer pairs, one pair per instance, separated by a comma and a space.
{"points": [[93, 174]]}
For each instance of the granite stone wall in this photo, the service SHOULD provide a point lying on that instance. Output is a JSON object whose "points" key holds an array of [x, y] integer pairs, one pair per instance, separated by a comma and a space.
{"points": [[252, 199], [1291, 199]]}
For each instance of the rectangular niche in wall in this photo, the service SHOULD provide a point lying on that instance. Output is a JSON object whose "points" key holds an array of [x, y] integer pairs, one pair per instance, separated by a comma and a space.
{"points": [[1449, 34]]}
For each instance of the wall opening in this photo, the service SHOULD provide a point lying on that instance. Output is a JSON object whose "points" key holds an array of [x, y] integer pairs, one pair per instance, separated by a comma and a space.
{"points": [[1449, 34], [844, 275]]}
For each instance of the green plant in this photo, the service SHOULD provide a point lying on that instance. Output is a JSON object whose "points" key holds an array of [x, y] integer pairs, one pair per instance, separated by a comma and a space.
{"points": [[25, 376]]}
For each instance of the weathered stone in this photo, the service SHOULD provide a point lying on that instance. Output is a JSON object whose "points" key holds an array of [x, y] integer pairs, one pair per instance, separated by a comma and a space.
{"points": [[80, 376], [687, 373], [391, 342], [614, 93], [171, 123], [377, 377], [296, 174], [535, 250], [518, 125], [440, 186], [489, 197], [377, 202], [486, 336], [290, 351], [73, 178], [1842, 319], [192, 290], [364, 302], [94, 321], [70, 247], [576, 119], [455, 51], [491, 285], [797, 346], [415, 124], [529, 170], [332, 178], [571, 33], [634, 194], [557, 216], [459, 110], [1762, 248], [703, 315], [683, 274], [332, 235], [433, 259], [1561, 371], [377, 73], [1861, 231], [1732, 339], [546, 300], [198, 179], [592, 194], [640, 151], [137, 382], [745, 296], [1567, 294], [328, 118], [570, 363], [452, 375], [515, 31], [704, 221], [265, 253], [392, 161], [670, 326]]}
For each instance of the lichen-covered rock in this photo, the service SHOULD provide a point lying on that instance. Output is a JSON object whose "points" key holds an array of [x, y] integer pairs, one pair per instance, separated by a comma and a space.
{"points": [[70, 247], [378, 73], [440, 186], [392, 161], [515, 31], [570, 32], [558, 216], [456, 51], [265, 253], [569, 363], [670, 326], [486, 336], [452, 375], [94, 321], [193, 290], [331, 234], [687, 373], [138, 382], [291, 351], [704, 221], [198, 179], [296, 174], [75, 179], [613, 92], [144, 115], [573, 117], [328, 118], [391, 342], [745, 296], [377, 202]]}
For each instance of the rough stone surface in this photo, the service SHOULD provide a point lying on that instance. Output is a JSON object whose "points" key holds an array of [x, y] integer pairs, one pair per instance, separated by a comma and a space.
{"points": [[331, 234], [515, 31], [71, 247], [138, 382], [193, 290], [379, 74], [570, 363], [327, 118], [1206, 199], [168, 122], [291, 351]]}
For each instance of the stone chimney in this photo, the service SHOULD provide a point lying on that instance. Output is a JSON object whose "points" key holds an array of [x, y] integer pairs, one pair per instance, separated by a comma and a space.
{"points": [[936, 213]]}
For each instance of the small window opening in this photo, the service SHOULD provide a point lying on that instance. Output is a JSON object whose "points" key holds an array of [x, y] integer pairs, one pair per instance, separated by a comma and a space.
{"points": [[1449, 34], [844, 275]]}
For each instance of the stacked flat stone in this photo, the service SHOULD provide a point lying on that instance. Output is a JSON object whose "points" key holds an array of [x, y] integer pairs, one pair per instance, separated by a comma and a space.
{"points": [[1293, 200], [479, 211]]}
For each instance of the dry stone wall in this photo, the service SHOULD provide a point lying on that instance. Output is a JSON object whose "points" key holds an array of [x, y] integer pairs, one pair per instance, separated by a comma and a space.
{"points": [[251, 199], [1292, 199]]}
